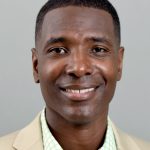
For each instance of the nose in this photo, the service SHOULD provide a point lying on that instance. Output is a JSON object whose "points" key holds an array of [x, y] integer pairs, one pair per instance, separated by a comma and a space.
{"points": [[79, 65]]}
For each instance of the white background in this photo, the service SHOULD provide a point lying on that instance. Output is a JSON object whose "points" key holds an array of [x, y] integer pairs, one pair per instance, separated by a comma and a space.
{"points": [[20, 98]]}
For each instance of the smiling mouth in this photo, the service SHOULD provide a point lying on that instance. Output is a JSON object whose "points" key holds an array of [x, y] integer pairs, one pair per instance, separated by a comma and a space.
{"points": [[79, 94]]}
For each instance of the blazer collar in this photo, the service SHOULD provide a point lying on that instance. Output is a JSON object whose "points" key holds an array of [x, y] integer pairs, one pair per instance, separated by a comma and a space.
{"points": [[30, 137], [123, 140]]}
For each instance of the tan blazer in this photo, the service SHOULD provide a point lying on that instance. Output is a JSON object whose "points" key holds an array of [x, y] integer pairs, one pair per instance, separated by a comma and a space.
{"points": [[30, 138]]}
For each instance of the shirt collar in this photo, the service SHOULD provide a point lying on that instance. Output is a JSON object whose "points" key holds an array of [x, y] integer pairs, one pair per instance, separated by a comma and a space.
{"points": [[50, 143]]}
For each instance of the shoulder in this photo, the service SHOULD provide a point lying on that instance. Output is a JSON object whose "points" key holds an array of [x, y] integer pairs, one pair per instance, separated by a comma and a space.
{"points": [[128, 142], [141, 144], [6, 142], [27, 137]]}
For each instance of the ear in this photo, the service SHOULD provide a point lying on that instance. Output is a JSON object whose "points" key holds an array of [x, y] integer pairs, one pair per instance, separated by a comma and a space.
{"points": [[35, 65], [120, 62]]}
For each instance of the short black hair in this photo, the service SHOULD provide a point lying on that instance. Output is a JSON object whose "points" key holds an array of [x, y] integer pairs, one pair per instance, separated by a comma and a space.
{"points": [[98, 4]]}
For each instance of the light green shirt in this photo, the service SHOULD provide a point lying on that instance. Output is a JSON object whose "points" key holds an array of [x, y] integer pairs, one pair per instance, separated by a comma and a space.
{"points": [[50, 143]]}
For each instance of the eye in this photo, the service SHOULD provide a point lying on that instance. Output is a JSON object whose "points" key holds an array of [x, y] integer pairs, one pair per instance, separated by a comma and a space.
{"points": [[57, 51], [99, 51]]}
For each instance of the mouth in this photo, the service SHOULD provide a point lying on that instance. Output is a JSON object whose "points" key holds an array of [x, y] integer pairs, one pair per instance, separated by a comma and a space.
{"points": [[79, 94]]}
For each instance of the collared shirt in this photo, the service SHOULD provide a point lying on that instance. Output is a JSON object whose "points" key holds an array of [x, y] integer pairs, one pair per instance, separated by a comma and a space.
{"points": [[50, 143]]}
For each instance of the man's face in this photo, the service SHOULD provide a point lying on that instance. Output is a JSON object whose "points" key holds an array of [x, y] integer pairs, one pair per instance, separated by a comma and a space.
{"points": [[77, 62]]}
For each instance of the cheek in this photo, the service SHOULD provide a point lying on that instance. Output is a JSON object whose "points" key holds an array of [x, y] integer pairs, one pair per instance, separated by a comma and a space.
{"points": [[50, 70], [108, 70]]}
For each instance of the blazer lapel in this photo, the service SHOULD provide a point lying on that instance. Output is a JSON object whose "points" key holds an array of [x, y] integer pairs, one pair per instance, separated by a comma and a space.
{"points": [[123, 140], [30, 137]]}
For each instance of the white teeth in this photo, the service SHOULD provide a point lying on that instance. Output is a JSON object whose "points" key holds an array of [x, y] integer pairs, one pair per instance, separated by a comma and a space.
{"points": [[79, 91]]}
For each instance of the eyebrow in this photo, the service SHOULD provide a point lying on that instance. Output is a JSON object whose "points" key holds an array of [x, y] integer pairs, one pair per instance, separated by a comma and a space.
{"points": [[55, 40], [100, 40]]}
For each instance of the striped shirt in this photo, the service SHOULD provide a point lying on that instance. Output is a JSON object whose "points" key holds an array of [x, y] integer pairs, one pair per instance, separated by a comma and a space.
{"points": [[50, 143]]}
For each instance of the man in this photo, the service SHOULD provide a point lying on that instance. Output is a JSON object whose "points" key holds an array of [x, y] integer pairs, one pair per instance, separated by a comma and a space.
{"points": [[77, 61]]}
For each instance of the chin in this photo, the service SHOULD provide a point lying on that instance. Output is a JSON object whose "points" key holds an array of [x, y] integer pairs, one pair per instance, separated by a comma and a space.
{"points": [[80, 121], [80, 117]]}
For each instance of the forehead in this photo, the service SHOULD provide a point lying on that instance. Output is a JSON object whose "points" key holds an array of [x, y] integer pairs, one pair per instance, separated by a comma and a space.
{"points": [[81, 21]]}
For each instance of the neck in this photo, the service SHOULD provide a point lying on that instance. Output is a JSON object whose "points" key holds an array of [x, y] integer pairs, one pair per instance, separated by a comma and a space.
{"points": [[88, 136]]}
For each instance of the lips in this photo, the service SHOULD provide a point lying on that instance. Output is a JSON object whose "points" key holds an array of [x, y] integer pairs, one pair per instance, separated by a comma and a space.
{"points": [[78, 93]]}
